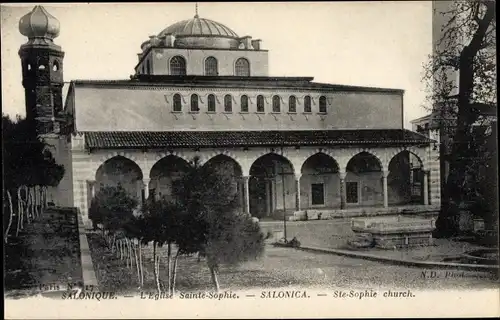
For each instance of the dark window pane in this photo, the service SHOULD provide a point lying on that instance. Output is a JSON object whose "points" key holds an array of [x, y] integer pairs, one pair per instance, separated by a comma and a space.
{"points": [[307, 104], [211, 66], [244, 104], [292, 104], [351, 192], [242, 67], [178, 66], [317, 194], [177, 102], [211, 103], [228, 103], [260, 104], [322, 104], [194, 103], [276, 104]]}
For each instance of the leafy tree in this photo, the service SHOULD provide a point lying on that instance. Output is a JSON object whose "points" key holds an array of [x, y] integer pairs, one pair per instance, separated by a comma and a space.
{"points": [[467, 46], [26, 159], [213, 223]]}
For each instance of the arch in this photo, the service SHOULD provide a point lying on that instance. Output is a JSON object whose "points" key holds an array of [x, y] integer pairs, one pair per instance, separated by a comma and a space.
{"points": [[320, 154], [260, 103], [276, 103], [244, 103], [271, 184], [177, 66], [228, 103], [292, 104], [421, 157], [164, 173], [211, 66], [177, 103], [110, 155], [370, 166], [194, 103], [211, 103], [225, 157], [307, 104], [242, 67], [120, 170], [322, 104], [405, 180]]}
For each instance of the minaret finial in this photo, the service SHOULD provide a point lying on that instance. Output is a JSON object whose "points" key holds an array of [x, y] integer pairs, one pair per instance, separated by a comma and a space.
{"points": [[196, 10]]}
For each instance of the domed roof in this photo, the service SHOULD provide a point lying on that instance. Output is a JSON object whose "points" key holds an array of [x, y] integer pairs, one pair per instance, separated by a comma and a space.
{"points": [[39, 24], [199, 27]]}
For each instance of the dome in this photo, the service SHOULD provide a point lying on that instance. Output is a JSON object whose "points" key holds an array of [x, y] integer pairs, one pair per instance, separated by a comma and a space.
{"points": [[199, 27], [39, 24]]}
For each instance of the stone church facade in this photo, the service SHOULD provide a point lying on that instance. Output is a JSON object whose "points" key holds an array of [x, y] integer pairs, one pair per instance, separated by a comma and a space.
{"points": [[200, 90]]}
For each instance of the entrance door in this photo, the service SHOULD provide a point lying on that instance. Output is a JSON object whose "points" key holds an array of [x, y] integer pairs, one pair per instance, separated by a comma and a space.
{"points": [[352, 192]]}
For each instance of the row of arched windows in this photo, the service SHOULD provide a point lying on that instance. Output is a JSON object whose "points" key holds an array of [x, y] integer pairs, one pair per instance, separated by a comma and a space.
{"points": [[244, 103], [178, 67]]}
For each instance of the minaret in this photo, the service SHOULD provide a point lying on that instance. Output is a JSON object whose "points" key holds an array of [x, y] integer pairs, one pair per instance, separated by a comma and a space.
{"points": [[42, 68]]}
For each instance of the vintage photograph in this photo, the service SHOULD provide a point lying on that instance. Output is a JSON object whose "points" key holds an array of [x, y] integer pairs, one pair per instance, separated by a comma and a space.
{"points": [[244, 160]]}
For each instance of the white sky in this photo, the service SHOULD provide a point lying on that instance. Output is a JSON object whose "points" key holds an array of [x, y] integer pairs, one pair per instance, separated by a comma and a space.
{"points": [[380, 44]]}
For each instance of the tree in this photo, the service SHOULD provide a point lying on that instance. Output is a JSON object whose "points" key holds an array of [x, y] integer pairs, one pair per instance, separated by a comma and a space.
{"points": [[467, 46], [212, 221]]}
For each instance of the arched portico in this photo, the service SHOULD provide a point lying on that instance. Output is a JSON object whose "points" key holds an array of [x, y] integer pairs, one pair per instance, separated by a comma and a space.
{"points": [[224, 164], [407, 179], [319, 182], [365, 182], [164, 173], [271, 185], [115, 171]]}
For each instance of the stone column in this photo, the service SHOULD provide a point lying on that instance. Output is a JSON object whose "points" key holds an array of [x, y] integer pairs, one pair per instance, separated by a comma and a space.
{"points": [[342, 190], [145, 186], [297, 192], [386, 193], [426, 186], [246, 194]]}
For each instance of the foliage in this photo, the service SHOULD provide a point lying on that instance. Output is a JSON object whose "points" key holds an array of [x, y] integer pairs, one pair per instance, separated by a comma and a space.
{"points": [[113, 207], [462, 78], [26, 158]]}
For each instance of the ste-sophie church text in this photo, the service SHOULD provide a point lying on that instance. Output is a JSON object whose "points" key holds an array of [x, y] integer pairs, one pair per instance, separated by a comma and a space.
{"points": [[200, 89]]}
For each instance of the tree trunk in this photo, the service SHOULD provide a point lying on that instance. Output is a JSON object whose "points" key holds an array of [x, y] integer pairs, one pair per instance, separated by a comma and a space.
{"points": [[155, 265], [213, 274], [20, 212], [174, 272], [169, 255], [137, 263], [141, 268], [10, 216]]}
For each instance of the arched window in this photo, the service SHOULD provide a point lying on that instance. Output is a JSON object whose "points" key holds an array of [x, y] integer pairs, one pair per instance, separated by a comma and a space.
{"points": [[260, 103], [228, 103], [177, 66], [244, 103], [211, 103], [307, 104], [242, 67], [276, 104], [211, 67], [177, 103], [322, 104], [292, 104], [194, 103], [55, 66]]}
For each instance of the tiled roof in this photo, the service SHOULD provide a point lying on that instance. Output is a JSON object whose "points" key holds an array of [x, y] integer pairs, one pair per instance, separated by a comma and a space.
{"points": [[204, 139]]}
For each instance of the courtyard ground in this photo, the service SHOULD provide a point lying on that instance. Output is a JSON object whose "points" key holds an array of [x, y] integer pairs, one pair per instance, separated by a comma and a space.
{"points": [[278, 268], [336, 233]]}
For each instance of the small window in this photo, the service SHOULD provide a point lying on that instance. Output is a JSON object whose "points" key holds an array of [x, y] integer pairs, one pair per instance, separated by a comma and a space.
{"points": [[177, 103], [228, 103], [29, 66], [211, 103], [317, 194], [244, 103], [177, 66], [352, 195], [242, 67], [41, 67], [55, 66], [211, 67], [194, 103], [307, 104], [322, 104], [276, 104], [260, 103], [292, 104]]}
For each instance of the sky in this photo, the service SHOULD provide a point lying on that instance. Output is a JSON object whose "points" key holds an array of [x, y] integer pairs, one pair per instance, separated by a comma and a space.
{"points": [[379, 44]]}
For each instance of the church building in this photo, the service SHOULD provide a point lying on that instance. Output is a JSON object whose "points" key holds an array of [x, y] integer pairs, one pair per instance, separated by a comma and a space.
{"points": [[199, 89]]}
